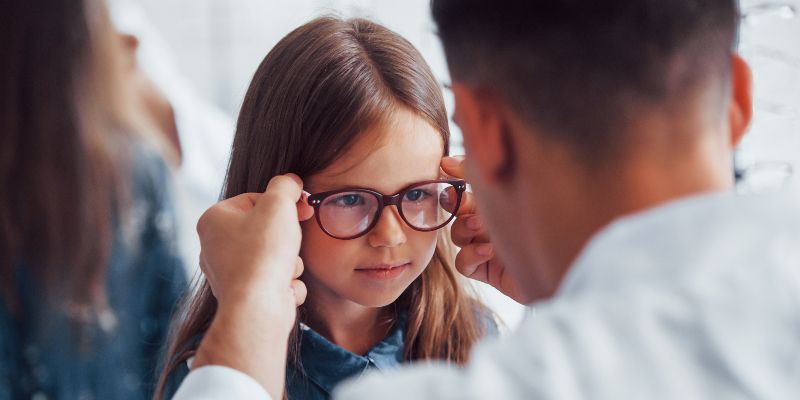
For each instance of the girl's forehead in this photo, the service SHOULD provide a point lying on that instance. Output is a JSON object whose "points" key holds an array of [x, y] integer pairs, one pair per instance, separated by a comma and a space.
{"points": [[387, 157]]}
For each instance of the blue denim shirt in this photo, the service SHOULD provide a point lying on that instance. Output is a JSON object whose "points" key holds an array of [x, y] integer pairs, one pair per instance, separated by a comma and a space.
{"points": [[323, 364], [42, 353]]}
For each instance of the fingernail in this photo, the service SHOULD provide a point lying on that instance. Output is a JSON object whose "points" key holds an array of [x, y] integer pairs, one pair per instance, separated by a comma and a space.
{"points": [[484, 250], [295, 178], [452, 161], [474, 223]]}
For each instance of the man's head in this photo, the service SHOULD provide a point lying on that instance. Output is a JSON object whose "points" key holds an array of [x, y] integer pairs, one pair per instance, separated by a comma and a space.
{"points": [[577, 112]]}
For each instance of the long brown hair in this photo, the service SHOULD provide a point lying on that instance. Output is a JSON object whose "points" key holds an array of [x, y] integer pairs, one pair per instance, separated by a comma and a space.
{"points": [[311, 97], [60, 156]]}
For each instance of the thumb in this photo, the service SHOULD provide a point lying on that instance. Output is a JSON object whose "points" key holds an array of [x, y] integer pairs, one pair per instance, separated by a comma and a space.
{"points": [[453, 166], [286, 188], [304, 211]]}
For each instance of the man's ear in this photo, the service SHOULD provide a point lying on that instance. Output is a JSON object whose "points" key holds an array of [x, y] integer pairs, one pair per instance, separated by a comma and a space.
{"points": [[740, 111], [482, 119]]}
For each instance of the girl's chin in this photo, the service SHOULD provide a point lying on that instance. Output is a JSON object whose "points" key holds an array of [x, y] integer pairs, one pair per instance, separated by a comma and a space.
{"points": [[376, 298], [377, 302]]}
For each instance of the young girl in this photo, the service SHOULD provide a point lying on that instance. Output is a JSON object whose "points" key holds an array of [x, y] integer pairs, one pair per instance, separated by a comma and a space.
{"points": [[354, 110]]}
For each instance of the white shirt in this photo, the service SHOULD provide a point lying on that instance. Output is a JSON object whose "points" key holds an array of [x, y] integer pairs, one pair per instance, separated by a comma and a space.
{"points": [[696, 299]]}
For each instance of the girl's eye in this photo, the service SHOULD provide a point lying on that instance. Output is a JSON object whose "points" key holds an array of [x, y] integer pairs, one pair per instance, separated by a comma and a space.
{"points": [[416, 195], [347, 200]]}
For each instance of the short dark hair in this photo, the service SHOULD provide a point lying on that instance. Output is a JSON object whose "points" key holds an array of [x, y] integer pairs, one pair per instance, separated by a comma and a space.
{"points": [[579, 70]]}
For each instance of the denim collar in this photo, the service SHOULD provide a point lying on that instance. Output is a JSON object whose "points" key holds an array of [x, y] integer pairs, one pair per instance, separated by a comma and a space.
{"points": [[327, 364]]}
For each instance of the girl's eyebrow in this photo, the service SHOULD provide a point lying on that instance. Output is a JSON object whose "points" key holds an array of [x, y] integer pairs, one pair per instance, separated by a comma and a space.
{"points": [[327, 187], [332, 176]]}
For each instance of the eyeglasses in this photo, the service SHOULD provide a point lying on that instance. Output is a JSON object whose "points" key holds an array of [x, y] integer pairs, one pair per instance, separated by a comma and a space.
{"points": [[351, 213]]}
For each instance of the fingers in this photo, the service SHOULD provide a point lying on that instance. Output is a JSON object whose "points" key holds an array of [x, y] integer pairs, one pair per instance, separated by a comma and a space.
{"points": [[468, 229], [289, 184], [221, 211], [304, 211], [473, 261], [447, 199], [289, 180], [298, 287], [298, 268], [300, 292], [287, 187], [478, 261], [467, 204], [243, 202], [453, 166]]}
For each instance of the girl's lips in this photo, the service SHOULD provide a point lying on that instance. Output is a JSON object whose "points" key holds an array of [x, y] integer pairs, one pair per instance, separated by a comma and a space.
{"points": [[383, 271]]}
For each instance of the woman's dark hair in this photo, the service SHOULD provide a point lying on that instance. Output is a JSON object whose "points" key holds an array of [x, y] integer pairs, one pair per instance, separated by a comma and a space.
{"points": [[312, 97], [60, 156]]}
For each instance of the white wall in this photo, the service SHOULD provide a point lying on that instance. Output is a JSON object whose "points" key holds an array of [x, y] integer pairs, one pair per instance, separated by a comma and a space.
{"points": [[770, 41], [219, 43]]}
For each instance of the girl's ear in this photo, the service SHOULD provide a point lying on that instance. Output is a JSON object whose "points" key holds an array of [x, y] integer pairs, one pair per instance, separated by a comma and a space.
{"points": [[481, 117]]}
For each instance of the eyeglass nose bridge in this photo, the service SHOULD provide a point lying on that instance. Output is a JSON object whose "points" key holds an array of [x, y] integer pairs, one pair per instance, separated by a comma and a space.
{"points": [[390, 200], [384, 201]]}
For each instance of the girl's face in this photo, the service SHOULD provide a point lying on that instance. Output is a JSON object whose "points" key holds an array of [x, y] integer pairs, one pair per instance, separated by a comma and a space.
{"points": [[374, 270]]}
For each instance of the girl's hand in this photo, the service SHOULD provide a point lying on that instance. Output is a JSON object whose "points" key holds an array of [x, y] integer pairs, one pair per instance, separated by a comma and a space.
{"points": [[476, 258]]}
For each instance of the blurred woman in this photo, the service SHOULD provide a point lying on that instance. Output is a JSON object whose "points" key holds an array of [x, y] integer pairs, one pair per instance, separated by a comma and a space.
{"points": [[89, 272]]}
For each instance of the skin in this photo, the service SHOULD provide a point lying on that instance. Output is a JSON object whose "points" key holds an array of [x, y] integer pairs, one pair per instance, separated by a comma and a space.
{"points": [[345, 304], [258, 237], [154, 113], [539, 216]]}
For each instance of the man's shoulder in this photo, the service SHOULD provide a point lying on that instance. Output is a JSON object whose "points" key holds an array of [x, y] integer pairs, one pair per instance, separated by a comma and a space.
{"points": [[690, 242]]}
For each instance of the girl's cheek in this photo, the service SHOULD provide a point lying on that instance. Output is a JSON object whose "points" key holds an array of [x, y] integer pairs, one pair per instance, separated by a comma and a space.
{"points": [[425, 245], [313, 244]]}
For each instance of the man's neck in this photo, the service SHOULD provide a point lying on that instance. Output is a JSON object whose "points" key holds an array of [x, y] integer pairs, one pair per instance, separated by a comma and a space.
{"points": [[597, 198]]}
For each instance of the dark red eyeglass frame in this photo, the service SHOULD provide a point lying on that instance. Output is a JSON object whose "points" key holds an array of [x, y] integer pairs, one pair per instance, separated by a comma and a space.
{"points": [[315, 200]]}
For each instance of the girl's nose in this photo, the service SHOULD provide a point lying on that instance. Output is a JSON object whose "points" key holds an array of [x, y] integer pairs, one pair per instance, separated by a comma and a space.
{"points": [[389, 231]]}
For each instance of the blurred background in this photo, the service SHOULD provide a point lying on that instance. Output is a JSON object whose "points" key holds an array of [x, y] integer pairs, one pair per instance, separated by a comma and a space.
{"points": [[770, 40], [202, 53]]}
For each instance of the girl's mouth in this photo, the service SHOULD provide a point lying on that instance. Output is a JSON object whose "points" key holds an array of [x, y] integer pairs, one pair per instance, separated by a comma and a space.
{"points": [[383, 271]]}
